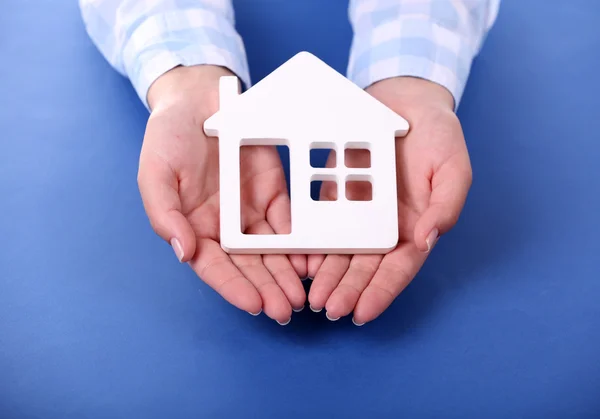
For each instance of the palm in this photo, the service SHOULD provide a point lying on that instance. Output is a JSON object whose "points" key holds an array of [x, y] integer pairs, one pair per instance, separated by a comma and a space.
{"points": [[263, 196], [427, 161], [250, 282]]}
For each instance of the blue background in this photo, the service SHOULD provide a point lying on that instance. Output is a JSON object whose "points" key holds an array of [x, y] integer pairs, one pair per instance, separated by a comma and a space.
{"points": [[99, 320]]}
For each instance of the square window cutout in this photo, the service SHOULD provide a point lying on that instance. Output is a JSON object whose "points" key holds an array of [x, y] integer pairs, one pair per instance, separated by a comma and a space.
{"points": [[357, 155], [327, 187], [359, 190], [321, 154]]}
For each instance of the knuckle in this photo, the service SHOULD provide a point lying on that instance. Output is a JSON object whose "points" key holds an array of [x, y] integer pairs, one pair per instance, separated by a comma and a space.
{"points": [[266, 285], [159, 221], [284, 274], [156, 223], [213, 264], [326, 276], [352, 291], [390, 296], [468, 176], [226, 282], [365, 265], [453, 218], [394, 279]]}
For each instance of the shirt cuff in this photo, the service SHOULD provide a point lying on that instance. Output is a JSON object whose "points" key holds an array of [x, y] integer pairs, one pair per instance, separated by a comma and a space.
{"points": [[411, 46], [182, 37]]}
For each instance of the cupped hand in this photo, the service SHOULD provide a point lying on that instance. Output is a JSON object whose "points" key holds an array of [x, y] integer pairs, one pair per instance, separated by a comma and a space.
{"points": [[433, 179], [179, 182]]}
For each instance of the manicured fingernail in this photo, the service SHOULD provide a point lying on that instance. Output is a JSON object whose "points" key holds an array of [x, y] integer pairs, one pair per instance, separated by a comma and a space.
{"points": [[286, 323], [333, 319], [431, 239], [298, 310], [177, 248], [355, 323], [314, 309], [256, 314]]}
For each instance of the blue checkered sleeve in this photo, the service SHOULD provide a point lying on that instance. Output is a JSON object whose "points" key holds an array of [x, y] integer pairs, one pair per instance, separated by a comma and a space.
{"points": [[143, 39], [435, 40]]}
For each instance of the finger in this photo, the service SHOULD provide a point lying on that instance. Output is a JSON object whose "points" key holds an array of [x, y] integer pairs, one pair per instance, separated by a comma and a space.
{"points": [[326, 279], [283, 272], [159, 187], [450, 186], [215, 268], [279, 218], [314, 263], [275, 303], [298, 262], [345, 296], [395, 272]]}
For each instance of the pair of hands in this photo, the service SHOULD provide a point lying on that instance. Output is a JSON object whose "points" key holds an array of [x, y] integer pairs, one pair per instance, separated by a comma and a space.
{"points": [[179, 182]]}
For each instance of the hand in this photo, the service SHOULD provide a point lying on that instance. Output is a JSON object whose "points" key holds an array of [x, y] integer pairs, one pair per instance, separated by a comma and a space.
{"points": [[433, 179], [179, 183]]}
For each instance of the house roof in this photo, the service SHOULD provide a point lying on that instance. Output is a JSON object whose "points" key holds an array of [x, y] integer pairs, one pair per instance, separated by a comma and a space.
{"points": [[304, 76]]}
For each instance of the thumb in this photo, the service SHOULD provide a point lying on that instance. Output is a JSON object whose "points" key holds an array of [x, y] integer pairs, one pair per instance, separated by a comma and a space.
{"points": [[450, 186], [159, 188]]}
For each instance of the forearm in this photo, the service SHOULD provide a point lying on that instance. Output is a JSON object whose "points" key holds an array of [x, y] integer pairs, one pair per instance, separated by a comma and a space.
{"points": [[143, 39], [435, 40]]}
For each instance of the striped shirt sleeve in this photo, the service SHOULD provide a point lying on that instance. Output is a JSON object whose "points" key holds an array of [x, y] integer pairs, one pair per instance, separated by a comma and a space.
{"points": [[436, 40], [143, 39]]}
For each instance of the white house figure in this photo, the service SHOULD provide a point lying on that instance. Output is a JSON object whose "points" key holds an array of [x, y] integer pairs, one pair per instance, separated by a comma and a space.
{"points": [[306, 104]]}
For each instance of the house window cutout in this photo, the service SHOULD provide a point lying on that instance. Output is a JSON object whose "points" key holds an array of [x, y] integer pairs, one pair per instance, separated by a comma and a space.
{"points": [[253, 152], [357, 155], [328, 190], [321, 153], [359, 188]]}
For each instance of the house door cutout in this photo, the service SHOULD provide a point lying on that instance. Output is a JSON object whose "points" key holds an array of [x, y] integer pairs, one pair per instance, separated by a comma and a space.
{"points": [[261, 184]]}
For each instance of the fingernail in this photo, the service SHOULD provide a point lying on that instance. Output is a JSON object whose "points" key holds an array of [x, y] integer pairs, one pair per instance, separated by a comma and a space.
{"points": [[298, 310], [355, 323], [308, 278], [333, 319], [256, 314], [431, 239], [314, 309], [286, 323], [177, 248]]}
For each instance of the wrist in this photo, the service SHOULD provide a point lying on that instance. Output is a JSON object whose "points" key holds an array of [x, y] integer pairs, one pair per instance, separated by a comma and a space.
{"points": [[409, 92], [196, 86]]}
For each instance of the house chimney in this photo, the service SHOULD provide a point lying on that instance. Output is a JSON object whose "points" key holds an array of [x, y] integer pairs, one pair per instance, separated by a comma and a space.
{"points": [[229, 89]]}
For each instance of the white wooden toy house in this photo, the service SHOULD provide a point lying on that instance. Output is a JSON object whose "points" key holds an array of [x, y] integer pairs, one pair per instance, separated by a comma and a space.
{"points": [[306, 104]]}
